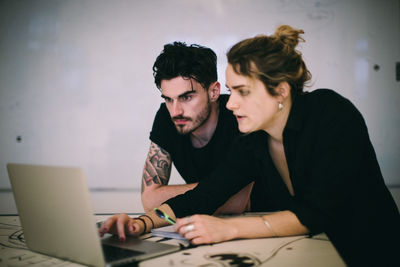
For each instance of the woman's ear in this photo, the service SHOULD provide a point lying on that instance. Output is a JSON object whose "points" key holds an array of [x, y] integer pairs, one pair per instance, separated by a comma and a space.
{"points": [[214, 91], [283, 90]]}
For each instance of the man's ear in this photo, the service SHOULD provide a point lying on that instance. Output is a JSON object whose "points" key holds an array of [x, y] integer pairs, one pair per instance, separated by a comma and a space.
{"points": [[214, 91]]}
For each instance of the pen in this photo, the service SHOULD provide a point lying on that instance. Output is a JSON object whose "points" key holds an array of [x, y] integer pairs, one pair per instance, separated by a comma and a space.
{"points": [[164, 216]]}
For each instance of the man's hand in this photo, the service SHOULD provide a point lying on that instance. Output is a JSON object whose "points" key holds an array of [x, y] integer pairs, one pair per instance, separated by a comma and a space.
{"points": [[121, 225]]}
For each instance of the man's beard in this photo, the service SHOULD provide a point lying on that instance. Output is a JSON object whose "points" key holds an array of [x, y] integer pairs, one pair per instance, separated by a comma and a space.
{"points": [[198, 121]]}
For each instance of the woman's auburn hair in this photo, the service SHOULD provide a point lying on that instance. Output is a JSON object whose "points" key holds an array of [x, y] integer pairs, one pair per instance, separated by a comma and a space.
{"points": [[272, 59]]}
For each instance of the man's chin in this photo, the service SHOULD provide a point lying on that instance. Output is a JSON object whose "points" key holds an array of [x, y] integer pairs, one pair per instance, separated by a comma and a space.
{"points": [[183, 130]]}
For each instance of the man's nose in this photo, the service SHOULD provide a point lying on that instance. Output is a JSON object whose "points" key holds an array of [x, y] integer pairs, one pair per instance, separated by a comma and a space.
{"points": [[177, 109]]}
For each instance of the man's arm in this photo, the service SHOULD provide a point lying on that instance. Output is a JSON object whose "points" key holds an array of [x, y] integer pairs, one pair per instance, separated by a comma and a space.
{"points": [[156, 175]]}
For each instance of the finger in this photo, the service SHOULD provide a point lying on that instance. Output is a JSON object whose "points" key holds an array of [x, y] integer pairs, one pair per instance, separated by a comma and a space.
{"points": [[106, 225], [189, 227], [198, 241], [183, 230], [179, 223], [102, 229], [136, 229], [121, 227], [191, 235], [130, 226]]}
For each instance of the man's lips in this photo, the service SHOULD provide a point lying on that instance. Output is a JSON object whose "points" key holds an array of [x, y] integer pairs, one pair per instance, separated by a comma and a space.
{"points": [[181, 121]]}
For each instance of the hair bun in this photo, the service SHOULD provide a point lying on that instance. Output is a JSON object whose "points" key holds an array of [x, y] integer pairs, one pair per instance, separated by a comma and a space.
{"points": [[289, 35]]}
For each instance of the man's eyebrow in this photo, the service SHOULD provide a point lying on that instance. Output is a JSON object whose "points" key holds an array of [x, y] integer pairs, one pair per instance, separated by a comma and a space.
{"points": [[164, 96], [181, 95], [188, 93]]}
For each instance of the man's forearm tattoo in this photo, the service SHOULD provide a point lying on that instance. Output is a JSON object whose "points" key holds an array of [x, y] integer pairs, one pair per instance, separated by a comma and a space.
{"points": [[158, 166]]}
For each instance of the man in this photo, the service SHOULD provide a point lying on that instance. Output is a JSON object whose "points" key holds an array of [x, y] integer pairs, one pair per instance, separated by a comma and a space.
{"points": [[192, 129]]}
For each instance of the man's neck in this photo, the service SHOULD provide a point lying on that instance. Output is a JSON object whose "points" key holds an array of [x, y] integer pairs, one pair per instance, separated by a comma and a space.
{"points": [[201, 136]]}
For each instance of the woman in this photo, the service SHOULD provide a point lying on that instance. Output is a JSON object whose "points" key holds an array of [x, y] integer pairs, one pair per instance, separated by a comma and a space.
{"points": [[310, 157]]}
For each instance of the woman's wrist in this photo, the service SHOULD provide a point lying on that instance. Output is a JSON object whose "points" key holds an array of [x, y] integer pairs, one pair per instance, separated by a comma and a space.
{"points": [[234, 228], [150, 220], [142, 224], [147, 221]]}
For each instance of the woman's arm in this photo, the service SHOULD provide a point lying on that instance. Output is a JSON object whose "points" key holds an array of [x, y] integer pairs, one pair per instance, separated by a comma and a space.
{"points": [[123, 225], [204, 229]]}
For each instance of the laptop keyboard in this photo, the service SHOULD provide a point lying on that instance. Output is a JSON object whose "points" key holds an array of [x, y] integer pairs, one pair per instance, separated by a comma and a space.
{"points": [[112, 253]]}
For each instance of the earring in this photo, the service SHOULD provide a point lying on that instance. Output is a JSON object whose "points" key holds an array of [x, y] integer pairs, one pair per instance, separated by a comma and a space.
{"points": [[280, 106]]}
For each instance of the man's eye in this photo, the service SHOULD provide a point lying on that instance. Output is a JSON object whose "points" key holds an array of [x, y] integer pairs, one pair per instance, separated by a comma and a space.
{"points": [[168, 100], [186, 98]]}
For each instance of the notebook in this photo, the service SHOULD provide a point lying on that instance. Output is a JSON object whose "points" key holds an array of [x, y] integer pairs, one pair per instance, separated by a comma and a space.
{"points": [[168, 232], [56, 215]]}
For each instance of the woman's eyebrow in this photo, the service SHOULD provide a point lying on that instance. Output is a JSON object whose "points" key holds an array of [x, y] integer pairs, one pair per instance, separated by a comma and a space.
{"points": [[235, 87]]}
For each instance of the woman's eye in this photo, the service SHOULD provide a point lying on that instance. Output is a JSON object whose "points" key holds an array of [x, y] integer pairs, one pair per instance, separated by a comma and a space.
{"points": [[243, 92]]}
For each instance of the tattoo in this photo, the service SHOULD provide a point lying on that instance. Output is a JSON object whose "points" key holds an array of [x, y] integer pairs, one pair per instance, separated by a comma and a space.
{"points": [[157, 168]]}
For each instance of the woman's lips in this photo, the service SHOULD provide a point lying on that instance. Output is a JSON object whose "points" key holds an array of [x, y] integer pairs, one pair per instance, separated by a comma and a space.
{"points": [[239, 117]]}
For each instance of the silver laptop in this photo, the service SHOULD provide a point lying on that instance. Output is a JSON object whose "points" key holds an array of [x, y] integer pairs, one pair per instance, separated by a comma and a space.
{"points": [[56, 215]]}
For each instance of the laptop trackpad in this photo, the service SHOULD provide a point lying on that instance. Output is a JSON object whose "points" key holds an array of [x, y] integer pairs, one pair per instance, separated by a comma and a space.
{"points": [[135, 243], [138, 248], [112, 253]]}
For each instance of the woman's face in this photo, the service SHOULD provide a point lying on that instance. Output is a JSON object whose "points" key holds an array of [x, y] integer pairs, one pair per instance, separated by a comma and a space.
{"points": [[254, 108]]}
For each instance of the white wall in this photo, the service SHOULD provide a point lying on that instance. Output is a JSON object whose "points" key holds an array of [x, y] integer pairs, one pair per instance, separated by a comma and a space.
{"points": [[76, 85]]}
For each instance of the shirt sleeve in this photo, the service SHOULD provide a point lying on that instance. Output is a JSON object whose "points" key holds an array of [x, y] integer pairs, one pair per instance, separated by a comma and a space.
{"points": [[163, 129], [230, 176]]}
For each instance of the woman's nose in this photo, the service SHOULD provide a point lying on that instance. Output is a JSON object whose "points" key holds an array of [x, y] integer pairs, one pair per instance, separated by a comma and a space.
{"points": [[231, 104]]}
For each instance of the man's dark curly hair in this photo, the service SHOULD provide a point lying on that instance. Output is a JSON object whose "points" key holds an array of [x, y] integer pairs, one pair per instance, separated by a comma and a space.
{"points": [[194, 61]]}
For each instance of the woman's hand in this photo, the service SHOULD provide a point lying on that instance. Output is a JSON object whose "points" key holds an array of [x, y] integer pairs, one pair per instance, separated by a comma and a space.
{"points": [[204, 229], [121, 225]]}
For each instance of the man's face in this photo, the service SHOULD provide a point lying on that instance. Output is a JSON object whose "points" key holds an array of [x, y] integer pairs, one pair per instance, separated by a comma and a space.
{"points": [[188, 103]]}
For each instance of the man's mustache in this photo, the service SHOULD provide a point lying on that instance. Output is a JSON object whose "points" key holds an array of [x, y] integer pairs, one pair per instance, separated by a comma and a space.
{"points": [[181, 118]]}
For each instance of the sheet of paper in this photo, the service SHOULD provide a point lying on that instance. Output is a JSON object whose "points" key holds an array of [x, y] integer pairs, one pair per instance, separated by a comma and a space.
{"points": [[167, 231], [245, 252]]}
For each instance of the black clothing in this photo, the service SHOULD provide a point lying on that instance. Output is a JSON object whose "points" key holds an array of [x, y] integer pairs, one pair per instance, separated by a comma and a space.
{"points": [[338, 185], [193, 164]]}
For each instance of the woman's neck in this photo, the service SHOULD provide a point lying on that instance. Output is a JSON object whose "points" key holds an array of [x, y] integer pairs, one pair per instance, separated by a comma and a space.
{"points": [[275, 130]]}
